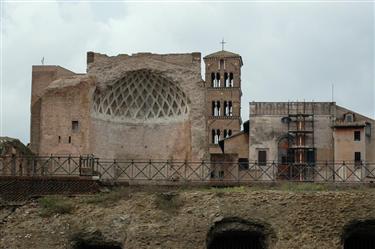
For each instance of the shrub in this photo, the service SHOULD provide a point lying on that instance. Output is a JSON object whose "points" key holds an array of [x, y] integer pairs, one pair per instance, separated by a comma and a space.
{"points": [[169, 202], [52, 205], [111, 197]]}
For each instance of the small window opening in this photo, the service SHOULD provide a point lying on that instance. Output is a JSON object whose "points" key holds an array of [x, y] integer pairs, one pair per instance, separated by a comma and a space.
{"points": [[243, 163], [311, 156], [59, 139], [221, 173], [215, 136], [262, 158], [70, 139], [227, 133], [368, 130], [222, 64], [215, 79], [357, 135], [231, 80], [228, 108], [349, 117], [226, 80], [75, 126], [216, 108], [357, 158]]}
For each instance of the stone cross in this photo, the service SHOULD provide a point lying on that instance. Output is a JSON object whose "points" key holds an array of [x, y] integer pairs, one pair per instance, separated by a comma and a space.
{"points": [[222, 44]]}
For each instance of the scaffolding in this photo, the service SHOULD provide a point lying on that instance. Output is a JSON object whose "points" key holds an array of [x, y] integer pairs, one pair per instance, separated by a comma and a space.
{"points": [[301, 143]]}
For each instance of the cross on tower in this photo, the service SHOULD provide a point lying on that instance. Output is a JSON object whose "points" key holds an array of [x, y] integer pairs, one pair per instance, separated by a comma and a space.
{"points": [[222, 44]]}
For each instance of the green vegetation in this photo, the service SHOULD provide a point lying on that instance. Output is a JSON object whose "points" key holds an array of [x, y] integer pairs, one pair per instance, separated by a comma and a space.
{"points": [[169, 202], [303, 187], [112, 196], [52, 205]]}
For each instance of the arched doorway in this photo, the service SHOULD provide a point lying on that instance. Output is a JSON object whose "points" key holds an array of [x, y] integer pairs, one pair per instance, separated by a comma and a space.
{"points": [[359, 235], [235, 233]]}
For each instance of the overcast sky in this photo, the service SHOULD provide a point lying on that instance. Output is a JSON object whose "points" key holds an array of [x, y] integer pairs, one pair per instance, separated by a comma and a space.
{"points": [[291, 51]]}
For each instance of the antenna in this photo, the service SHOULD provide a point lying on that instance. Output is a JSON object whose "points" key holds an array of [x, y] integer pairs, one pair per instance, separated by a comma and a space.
{"points": [[42, 60], [333, 87]]}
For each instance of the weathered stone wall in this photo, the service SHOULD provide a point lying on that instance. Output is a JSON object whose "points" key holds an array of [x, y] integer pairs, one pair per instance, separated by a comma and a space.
{"points": [[267, 128], [140, 220], [42, 76], [66, 100], [179, 132], [222, 63], [174, 138]]}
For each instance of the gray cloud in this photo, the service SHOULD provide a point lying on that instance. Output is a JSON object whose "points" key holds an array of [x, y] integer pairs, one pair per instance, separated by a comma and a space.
{"points": [[291, 51]]}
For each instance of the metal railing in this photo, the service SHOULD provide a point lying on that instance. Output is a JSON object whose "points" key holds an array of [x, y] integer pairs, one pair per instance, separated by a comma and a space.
{"points": [[186, 171]]}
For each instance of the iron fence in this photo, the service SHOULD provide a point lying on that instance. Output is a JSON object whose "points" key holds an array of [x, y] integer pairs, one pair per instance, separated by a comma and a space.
{"points": [[186, 171]]}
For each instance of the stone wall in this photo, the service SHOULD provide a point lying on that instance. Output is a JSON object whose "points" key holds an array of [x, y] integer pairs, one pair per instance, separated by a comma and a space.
{"points": [[176, 137], [267, 128], [42, 76], [143, 106]]}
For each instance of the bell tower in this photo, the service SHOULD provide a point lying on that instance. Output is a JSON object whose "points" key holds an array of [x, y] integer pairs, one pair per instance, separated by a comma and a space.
{"points": [[223, 96]]}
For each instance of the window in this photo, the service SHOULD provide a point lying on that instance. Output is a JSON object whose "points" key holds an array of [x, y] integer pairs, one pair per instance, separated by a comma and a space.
{"points": [[215, 79], [75, 126], [368, 130], [357, 135], [227, 133], [311, 156], [349, 117], [262, 158], [230, 79], [243, 163], [221, 174], [226, 80], [70, 139], [357, 158], [222, 64], [59, 139], [228, 108], [216, 108], [215, 136]]}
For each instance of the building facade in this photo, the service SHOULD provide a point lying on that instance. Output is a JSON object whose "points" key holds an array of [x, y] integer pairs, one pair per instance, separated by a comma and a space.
{"points": [[223, 93], [144, 106], [151, 106]]}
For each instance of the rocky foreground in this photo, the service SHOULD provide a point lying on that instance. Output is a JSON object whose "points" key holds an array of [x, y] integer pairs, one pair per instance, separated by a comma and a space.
{"points": [[182, 218]]}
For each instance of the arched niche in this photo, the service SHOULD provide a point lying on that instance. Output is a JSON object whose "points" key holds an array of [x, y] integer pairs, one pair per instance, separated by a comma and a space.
{"points": [[359, 235], [236, 233], [141, 95]]}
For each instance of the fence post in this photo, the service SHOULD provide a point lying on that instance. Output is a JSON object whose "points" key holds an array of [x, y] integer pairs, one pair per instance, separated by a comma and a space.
{"points": [[13, 165], [115, 170], [132, 170], [80, 165], [202, 171]]}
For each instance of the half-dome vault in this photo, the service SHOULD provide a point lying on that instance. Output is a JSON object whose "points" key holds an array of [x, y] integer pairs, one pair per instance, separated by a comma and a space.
{"points": [[139, 96]]}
